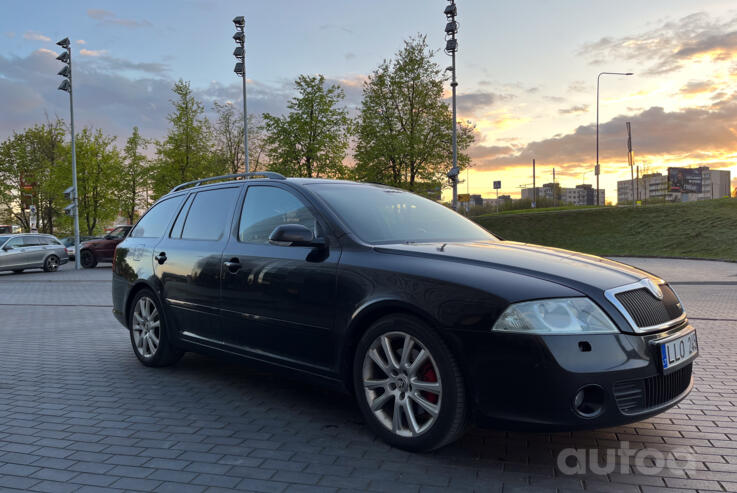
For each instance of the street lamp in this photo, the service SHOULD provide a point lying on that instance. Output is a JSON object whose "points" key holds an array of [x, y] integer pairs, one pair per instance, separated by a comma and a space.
{"points": [[451, 47], [240, 69], [597, 169], [66, 85]]}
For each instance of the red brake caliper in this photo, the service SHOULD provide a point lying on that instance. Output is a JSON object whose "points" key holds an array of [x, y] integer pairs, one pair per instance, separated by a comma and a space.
{"points": [[428, 375]]}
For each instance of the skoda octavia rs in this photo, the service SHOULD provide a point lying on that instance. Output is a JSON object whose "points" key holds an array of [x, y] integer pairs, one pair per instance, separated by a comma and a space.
{"points": [[427, 319]]}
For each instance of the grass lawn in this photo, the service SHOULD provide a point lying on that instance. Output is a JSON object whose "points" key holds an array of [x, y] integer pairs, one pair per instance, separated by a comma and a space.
{"points": [[706, 229]]}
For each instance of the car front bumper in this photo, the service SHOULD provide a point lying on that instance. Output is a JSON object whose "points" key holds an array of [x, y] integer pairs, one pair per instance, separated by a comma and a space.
{"points": [[530, 382]]}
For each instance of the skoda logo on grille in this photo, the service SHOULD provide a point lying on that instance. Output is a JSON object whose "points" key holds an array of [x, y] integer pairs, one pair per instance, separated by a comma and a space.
{"points": [[654, 289]]}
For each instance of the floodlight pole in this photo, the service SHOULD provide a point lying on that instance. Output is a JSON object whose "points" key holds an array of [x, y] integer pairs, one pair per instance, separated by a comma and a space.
{"points": [[74, 164], [450, 13], [67, 45], [240, 27], [597, 169]]}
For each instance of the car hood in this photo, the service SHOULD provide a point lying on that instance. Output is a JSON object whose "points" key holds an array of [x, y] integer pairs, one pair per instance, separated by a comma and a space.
{"points": [[554, 264]]}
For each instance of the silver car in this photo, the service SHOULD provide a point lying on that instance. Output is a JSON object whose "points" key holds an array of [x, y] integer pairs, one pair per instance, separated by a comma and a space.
{"points": [[31, 251]]}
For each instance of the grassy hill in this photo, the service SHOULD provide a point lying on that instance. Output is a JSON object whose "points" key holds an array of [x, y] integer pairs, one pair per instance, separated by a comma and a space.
{"points": [[706, 229]]}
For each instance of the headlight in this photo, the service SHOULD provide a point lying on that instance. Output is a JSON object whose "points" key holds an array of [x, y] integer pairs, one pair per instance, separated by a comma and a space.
{"points": [[555, 316]]}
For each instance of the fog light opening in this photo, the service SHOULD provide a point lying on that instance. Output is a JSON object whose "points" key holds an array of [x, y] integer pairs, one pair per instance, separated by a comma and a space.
{"points": [[589, 401]]}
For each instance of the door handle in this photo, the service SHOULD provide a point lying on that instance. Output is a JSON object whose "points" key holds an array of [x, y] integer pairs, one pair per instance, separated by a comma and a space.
{"points": [[161, 258], [233, 264]]}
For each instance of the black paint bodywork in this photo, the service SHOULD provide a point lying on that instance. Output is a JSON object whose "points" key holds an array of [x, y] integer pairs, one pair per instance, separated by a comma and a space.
{"points": [[304, 308]]}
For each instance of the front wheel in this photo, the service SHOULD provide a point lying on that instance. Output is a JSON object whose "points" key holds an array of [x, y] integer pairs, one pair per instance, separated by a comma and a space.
{"points": [[148, 332], [87, 259], [51, 263], [408, 385]]}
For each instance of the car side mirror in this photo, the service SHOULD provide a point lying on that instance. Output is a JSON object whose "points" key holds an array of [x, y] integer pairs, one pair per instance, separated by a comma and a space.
{"points": [[7, 247], [294, 235]]}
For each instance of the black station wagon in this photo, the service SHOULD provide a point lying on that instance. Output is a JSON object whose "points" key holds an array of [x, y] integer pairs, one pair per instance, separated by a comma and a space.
{"points": [[429, 320]]}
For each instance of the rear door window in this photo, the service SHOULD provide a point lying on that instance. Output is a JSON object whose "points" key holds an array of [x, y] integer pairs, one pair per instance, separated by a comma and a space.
{"points": [[210, 214], [154, 223]]}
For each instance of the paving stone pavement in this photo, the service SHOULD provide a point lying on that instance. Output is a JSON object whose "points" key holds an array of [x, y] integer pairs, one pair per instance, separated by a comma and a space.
{"points": [[79, 413]]}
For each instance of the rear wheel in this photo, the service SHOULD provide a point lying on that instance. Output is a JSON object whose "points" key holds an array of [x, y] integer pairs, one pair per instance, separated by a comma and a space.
{"points": [[408, 385], [51, 263], [87, 259], [149, 333]]}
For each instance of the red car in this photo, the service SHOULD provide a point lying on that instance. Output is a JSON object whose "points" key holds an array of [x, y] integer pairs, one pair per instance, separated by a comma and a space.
{"points": [[101, 250]]}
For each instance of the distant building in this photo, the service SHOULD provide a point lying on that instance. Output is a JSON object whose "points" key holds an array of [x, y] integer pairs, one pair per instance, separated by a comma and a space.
{"points": [[654, 186], [579, 195]]}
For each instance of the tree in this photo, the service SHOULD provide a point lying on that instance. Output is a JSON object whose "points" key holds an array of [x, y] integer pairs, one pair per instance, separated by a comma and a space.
{"points": [[33, 170], [98, 168], [185, 154], [404, 133], [133, 182], [229, 139], [312, 139]]}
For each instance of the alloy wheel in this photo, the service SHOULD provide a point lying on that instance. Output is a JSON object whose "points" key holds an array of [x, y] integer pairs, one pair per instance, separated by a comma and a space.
{"points": [[52, 263], [402, 384], [146, 327]]}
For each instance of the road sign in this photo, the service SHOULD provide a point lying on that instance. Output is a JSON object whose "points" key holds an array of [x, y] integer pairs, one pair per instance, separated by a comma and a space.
{"points": [[464, 197], [497, 185]]}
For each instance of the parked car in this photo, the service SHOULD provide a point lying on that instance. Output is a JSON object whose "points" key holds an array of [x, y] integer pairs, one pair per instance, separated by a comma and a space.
{"points": [[101, 249], [31, 251], [425, 317], [68, 242]]}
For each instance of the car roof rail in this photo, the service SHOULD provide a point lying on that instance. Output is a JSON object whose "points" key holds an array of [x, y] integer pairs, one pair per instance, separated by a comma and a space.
{"points": [[244, 176]]}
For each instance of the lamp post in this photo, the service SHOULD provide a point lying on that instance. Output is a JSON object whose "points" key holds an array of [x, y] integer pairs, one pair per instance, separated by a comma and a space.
{"points": [[451, 47], [240, 69], [66, 85], [597, 169]]}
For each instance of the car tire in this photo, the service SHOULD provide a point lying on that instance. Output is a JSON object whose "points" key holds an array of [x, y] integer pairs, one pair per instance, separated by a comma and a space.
{"points": [[415, 400], [149, 332], [51, 264], [87, 259]]}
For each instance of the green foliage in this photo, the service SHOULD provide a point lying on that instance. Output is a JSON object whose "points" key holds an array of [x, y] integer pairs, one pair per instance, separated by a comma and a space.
{"points": [[99, 165], [185, 154], [37, 157], [311, 140], [405, 127], [132, 185]]}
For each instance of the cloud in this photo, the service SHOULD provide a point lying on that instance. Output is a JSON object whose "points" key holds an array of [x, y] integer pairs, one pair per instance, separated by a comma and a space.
{"points": [[690, 133], [34, 36], [698, 87], [94, 53], [81, 42], [475, 103], [579, 108], [669, 46], [349, 56], [107, 17]]}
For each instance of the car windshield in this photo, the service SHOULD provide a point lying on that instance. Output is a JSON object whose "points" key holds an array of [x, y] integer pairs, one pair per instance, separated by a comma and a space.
{"points": [[378, 214]]}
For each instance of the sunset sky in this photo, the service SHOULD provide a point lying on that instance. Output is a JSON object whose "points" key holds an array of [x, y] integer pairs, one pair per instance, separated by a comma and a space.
{"points": [[527, 72]]}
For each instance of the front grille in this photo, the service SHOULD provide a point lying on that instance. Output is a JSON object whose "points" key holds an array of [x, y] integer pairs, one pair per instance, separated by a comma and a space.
{"points": [[636, 396], [646, 310]]}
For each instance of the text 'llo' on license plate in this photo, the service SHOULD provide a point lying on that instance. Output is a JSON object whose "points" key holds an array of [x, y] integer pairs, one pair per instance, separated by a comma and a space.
{"points": [[677, 351]]}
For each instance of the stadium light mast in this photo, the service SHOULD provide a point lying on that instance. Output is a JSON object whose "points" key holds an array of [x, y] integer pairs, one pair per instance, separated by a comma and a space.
{"points": [[66, 85], [597, 168], [451, 47], [240, 69]]}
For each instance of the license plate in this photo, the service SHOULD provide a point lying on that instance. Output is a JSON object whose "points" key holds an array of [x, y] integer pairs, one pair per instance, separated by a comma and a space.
{"points": [[678, 351]]}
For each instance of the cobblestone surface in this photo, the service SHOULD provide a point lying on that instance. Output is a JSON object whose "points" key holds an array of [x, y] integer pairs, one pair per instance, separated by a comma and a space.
{"points": [[79, 413]]}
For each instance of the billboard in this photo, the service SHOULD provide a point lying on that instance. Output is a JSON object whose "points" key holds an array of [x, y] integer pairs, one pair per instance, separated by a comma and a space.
{"points": [[684, 180]]}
